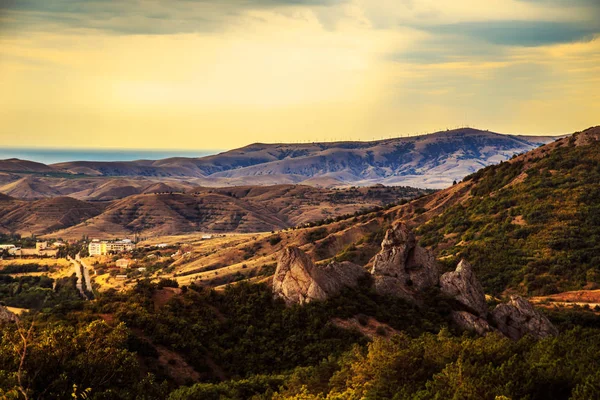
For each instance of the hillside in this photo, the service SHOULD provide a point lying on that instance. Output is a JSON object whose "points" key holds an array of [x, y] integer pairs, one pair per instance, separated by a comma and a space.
{"points": [[32, 187], [238, 209], [16, 165], [44, 216], [432, 161], [124, 207], [531, 224]]}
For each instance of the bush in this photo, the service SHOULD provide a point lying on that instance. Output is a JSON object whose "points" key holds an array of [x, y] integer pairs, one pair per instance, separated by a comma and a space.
{"points": [[274, 240], [165, 282]]}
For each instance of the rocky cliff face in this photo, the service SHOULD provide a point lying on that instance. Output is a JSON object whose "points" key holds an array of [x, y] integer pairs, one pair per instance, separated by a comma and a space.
{"points": [[298, 280], [462, 285], [403, 268], [518, 318], [6, 316]]}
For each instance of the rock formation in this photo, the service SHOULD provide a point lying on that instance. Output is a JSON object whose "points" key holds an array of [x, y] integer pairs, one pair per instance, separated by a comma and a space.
{"points": [[518, 318], [6, 315], [298, 280], [402, 268], [462, 285], [469, 322]]}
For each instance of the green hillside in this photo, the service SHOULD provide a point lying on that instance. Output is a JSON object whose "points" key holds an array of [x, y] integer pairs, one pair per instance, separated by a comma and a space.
{"points": [[531, 224]]}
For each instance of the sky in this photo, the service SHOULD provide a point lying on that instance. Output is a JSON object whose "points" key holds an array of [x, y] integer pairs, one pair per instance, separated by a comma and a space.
{"points": [[199, 74]]}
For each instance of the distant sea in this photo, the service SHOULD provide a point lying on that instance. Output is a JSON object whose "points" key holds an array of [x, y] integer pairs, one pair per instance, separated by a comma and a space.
{"points": [[51, 156]]}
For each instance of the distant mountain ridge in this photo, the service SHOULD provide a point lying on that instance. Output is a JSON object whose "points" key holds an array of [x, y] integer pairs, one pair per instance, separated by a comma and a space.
{"points": [[431, 161]]}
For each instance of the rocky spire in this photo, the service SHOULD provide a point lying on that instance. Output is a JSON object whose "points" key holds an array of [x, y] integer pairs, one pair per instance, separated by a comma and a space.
{"points": [[402, 268], [462, 285]]}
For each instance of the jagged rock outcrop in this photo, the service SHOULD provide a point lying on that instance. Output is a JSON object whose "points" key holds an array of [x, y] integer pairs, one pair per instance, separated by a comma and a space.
{"points": [[402, 268], [518, 318], [6, 315], [463, 285], [298, 280], [469, 322]]}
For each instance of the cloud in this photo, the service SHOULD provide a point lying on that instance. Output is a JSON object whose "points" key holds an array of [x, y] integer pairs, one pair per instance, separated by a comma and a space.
{"points": [[520, 33], [564, 3], [136, 16]]}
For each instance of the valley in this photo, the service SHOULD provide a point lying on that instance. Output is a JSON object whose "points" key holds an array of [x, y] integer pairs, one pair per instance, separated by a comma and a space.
{"points": [[324, 281]]}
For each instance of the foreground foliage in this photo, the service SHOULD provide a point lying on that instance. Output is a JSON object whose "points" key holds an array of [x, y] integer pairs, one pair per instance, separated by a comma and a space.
{"points": [[244, 344]]}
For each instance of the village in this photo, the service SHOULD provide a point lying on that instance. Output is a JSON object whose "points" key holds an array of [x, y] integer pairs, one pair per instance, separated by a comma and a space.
{"points": [[96, 264]]}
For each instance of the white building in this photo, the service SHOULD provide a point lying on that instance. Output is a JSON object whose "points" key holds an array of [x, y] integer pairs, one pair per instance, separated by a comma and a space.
{"points": [[11, 248], [100, 248]]}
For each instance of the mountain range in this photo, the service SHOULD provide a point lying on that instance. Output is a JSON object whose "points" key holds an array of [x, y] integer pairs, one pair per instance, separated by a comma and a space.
{"points": [[178, 195], [427, 161]]}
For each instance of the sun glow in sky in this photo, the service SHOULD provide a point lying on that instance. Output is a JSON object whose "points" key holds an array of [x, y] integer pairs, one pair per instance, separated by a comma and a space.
{"points": [[199, 74]]}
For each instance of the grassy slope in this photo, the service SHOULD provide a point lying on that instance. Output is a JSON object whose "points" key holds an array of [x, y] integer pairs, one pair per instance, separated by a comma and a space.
{"points": [[531, 225]]}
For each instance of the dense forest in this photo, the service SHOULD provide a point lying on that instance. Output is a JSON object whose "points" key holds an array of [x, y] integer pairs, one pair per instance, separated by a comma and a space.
{"points": [[241, 343]]}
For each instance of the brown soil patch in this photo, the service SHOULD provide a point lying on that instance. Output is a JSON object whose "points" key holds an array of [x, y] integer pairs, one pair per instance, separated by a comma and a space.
{"points": [[109, 318], [519, 179], [582, 298], [178, 368], [519, 220], [369, 329], [162, 296]]}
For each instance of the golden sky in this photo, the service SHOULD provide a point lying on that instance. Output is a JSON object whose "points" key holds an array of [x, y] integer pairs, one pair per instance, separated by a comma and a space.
{"points": [[199, 74]]}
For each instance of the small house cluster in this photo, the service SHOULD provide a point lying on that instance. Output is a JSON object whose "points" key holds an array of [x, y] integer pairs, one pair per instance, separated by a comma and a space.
{"points": [[41, 249]]}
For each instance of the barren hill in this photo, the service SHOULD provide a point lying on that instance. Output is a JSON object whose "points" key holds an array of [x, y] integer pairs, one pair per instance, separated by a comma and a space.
{"points": [[30, 187], [33, 187], [237, 209], [43, 216], [16, 165]]}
